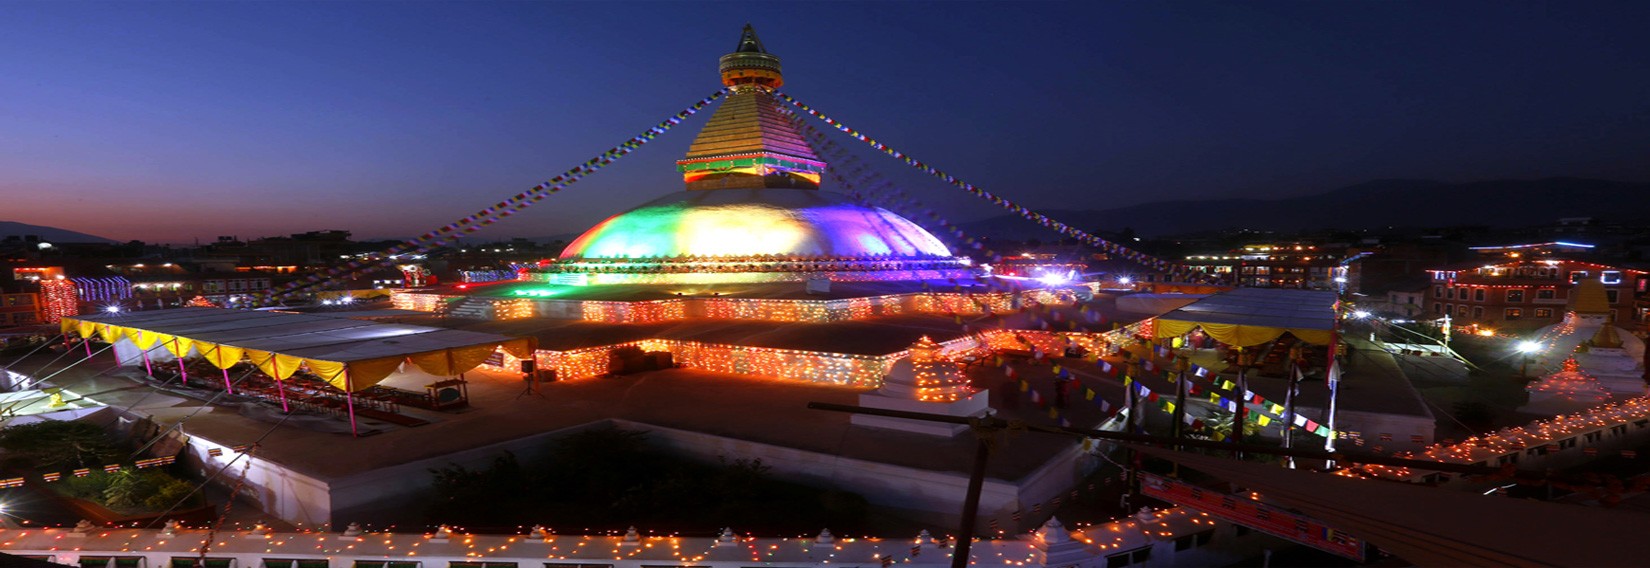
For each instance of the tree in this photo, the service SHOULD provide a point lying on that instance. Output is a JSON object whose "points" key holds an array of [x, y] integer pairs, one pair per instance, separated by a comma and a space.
{"points": [[1221, 421], [53, 445]]}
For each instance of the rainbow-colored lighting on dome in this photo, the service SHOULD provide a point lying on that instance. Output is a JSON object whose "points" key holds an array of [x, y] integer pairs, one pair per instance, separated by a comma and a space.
{"points": [[752, 224]]}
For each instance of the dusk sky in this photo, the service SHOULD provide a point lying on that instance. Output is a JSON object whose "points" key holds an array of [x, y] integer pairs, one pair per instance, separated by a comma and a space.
{"points": [[171, 121]]}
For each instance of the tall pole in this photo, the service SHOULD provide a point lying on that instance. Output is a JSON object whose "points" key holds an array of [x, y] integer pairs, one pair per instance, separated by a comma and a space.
{"points": [[1181, 365], [1332, 375], [1295, 354], [1242, 395], [971, 501]]}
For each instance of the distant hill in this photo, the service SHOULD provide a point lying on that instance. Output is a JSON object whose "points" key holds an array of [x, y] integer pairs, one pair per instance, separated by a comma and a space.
{"points": [[48, 234], [1376, 204]]}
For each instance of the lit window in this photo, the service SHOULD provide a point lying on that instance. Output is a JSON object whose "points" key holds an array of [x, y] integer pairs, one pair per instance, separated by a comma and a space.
{"points": [[1610, 277], [1515, 296], [1514, 313]]}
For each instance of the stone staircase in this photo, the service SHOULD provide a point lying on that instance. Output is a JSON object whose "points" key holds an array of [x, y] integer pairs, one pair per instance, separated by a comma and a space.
{"points": [[471, 308]]}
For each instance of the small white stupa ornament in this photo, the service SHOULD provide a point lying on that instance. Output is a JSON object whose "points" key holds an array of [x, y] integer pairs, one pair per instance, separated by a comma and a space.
{"points": [[926, 381]]}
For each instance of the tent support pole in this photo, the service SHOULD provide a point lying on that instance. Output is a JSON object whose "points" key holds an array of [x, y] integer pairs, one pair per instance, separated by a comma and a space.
{"points": [[349, 400], [184, 371], [227, 386], [147, 368], [281, 386], [88, 343]]}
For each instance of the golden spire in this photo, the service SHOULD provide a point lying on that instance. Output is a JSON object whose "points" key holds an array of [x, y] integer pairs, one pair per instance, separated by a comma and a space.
{"points": [[750, 64], [1606, 337]]}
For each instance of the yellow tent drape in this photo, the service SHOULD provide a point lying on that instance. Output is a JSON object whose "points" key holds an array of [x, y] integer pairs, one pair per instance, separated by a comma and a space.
{"points": [[144, 340], [66, 324], [110, 333], [279, 366], [330, 371], [178, 346], [521, 348], [367, 373], [86, 328], [449, 362], [222, 356], [1239, 335]]}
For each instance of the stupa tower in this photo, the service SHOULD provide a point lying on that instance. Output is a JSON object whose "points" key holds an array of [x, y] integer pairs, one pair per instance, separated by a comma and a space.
{"points": [[748, 143], [752, 210]]}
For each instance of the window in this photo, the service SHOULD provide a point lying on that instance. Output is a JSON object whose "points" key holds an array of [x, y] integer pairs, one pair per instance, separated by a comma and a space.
{"points": [[1514, 313], [1515, 296], [1437, 291], [1544, 312], [1450, 293], [1478, 295], [1546, 294], [1136, 556], [1577, 276], [1612, 295], [380, 564], [111, 562], [1461, 311], [196, 562], [478, 564], [1193, 540], [1437, 308], [568, 565], [1610, 277], [1478, 312], [318, 563]]}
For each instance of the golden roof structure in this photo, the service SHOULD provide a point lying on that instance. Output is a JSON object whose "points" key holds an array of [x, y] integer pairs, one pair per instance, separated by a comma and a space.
{"points": [[1588, 298]]}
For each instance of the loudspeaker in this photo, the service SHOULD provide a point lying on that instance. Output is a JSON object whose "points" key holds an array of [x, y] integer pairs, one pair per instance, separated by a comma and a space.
{"points": [[528, 365]]}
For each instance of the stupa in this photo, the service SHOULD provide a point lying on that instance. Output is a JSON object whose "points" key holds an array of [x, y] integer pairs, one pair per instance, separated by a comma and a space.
{"points": [[1588, 335], [924, 381], [752, 210], [1569, 390]]}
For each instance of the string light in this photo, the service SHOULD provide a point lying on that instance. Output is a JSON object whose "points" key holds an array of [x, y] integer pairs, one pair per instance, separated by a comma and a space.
{"points": [[58, 299]]}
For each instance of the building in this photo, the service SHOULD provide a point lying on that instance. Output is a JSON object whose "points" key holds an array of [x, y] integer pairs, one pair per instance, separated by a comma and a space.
{"points": [[1524, 294], [1267, 265], [19, 308]]}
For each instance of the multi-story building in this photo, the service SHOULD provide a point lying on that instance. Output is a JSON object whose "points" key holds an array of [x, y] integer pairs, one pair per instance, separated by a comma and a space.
{"points": [[19, 308], [1294, 265], [1527, 294]]}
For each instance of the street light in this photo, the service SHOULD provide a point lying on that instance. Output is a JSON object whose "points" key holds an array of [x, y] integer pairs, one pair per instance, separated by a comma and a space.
{"points": [[1525, 348]]}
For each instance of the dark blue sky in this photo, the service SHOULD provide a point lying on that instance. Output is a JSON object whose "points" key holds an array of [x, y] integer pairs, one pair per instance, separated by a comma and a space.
{"points": [[167, 121]]}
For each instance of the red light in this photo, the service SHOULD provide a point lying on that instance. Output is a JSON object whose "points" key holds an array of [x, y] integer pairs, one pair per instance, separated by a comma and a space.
{"points": [[463, 286]]}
